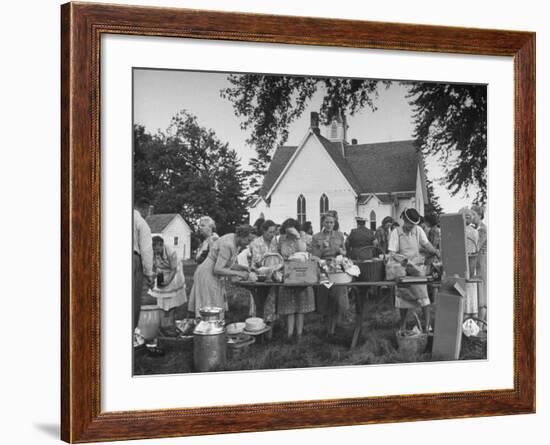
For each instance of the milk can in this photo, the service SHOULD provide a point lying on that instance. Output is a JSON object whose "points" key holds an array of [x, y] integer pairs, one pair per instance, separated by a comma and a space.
{"points": [[209, 341]]}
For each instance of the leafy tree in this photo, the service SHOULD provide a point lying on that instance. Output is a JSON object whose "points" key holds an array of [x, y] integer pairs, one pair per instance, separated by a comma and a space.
{"points": [[433, 205], [451, 122], [269, 104], [144, 178], [187, 170]]}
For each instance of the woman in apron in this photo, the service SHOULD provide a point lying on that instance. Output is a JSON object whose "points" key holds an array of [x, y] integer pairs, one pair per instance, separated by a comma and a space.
{"points": [[170, 284], [407, 241]]}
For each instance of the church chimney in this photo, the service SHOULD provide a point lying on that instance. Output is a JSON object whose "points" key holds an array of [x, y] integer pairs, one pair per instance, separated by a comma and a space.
{"points": [[314, 122], [344, 127]]}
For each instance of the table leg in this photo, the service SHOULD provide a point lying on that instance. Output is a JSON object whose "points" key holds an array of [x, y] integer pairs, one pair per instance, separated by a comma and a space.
{"points": [[359, 316]]}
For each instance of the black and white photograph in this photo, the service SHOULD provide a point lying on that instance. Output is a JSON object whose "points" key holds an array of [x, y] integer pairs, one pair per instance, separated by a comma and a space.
{"points": [[298, 221]]}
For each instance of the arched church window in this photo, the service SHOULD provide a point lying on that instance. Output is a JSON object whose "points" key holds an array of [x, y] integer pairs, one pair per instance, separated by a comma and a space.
{"points": [[373, 220], [301, 209], [323, 206]]}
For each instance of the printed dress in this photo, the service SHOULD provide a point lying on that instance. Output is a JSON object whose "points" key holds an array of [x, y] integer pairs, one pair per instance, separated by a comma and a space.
{"points": [[265, 299], [209, 288], [334, 300], [299, 299]]}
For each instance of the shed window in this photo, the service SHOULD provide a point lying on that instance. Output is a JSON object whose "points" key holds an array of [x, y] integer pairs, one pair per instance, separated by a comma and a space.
{"points": [[175, 241]]}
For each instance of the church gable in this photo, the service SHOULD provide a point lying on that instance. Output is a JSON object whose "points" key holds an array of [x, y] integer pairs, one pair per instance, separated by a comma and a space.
{"points": [[387, 168], [308, 170]]}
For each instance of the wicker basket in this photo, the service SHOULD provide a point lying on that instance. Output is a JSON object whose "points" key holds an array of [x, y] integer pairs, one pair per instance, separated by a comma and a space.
{"points": [[372, 270], [339, 277], [412, 344]]}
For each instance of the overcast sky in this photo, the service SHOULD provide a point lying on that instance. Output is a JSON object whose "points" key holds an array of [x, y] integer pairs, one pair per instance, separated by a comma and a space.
{"points": [[160, 94]]}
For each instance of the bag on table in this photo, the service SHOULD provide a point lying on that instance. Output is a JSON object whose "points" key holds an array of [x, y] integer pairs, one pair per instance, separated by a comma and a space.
{"points": [[394, 270]]}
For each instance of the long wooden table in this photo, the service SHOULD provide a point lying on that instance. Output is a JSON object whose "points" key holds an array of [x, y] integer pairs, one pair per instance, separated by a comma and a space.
{"points": [[361, 296]]}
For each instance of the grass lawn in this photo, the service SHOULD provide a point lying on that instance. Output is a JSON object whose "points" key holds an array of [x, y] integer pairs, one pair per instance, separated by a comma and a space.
{"points": [[376, 346]]}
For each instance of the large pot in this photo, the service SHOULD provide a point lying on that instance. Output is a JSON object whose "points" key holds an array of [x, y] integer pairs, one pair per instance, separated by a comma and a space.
{"points": [[209, 341], [149, 322]]}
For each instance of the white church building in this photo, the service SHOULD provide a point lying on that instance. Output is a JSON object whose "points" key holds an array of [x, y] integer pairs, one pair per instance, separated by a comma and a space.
{"points": [[328, 173]]}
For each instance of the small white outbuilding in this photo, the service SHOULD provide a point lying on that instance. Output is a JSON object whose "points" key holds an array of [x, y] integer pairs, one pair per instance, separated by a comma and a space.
{"points": [[174, 230]]}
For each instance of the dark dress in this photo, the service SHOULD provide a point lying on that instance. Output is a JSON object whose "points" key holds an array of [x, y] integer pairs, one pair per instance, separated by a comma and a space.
{"points": [[357, 239]]}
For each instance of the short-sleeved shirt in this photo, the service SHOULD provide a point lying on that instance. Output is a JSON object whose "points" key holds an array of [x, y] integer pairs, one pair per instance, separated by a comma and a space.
{"points": [[258, 248], [224, 251], [335, 243], [416, 236]]}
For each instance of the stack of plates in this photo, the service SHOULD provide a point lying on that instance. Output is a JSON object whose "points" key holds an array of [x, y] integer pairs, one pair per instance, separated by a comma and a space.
{"points": [[254, 324]]}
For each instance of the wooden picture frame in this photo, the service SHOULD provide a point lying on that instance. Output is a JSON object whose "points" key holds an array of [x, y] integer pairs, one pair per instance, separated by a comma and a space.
{"points": [[82, 26]]}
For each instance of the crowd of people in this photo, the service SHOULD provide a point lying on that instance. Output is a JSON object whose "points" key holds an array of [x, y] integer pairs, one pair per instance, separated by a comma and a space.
{"points": [[158, 274]]}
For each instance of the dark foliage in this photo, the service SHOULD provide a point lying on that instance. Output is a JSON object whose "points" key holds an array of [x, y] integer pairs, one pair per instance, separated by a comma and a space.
{"points": [[269, 104], [190, 172], [451, 122]]}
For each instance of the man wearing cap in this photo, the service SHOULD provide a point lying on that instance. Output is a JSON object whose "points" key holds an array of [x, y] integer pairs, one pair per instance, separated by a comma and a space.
{"points": [[359, 238], [406, 241]]}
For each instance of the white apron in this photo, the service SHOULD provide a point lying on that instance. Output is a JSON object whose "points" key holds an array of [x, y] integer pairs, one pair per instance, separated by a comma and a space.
{"points": [[414, 295]]}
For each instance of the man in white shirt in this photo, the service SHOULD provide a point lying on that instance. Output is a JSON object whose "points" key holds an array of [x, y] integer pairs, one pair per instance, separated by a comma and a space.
{"points": [[142, 258]]}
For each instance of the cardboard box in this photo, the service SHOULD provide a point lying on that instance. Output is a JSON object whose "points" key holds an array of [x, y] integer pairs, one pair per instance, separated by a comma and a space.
{"points": [[301, 272]]}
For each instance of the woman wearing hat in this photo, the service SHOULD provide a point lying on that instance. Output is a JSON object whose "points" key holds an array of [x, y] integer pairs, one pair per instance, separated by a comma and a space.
{"points": [[407, 241]]}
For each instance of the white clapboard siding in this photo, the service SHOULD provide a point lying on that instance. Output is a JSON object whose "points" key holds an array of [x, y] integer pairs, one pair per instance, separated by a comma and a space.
{"points": [[180, 229], [311, 174]]}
